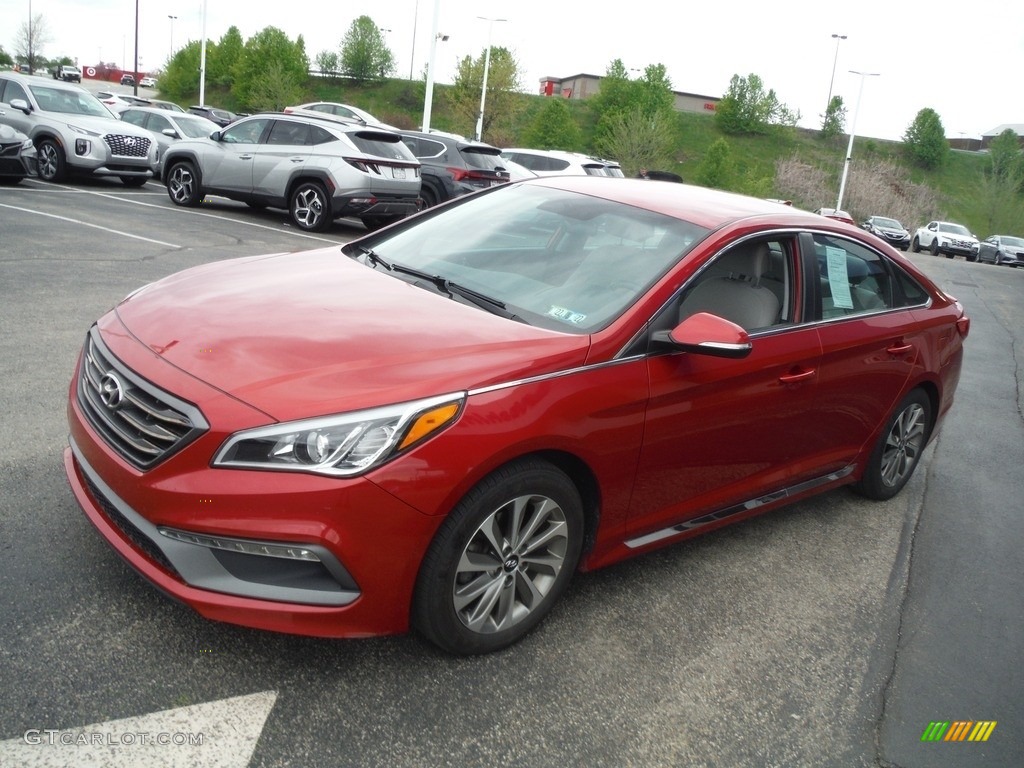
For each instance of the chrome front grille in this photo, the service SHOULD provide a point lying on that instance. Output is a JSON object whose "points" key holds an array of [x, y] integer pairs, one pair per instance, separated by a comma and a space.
{"points": [[142, 423], [127, 146]]}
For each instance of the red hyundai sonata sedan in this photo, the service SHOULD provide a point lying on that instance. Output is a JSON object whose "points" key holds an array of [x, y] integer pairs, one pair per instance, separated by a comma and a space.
{"points": [[437, 425]]}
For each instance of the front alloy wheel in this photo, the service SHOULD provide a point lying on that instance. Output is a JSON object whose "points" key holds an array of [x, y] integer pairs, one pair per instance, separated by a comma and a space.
{"points": [[183, 185], [501, 560], [52, 165], [309, 207], [899, 449]]}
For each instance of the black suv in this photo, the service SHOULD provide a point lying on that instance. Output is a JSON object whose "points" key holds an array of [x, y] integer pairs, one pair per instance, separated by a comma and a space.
{"points": [[221, 117], [454, 166]]}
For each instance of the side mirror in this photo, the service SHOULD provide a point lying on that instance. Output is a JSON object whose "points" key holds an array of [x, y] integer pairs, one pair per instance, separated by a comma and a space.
{"points": [[171, 133], [22, 105], [215, 136], [707, 334]]}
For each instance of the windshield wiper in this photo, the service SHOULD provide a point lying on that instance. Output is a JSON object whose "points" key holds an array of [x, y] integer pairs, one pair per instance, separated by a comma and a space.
{"points": [[482, 300]]}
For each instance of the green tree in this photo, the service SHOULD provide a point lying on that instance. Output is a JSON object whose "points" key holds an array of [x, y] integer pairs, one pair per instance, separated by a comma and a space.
{"points": [[364, 56], [999, 191], [553, 127], [925, 139], [222, 59], [6, 60], [747, 108], [269, 49], [717, 169], [328, 62], [275, 90], [180, 80], [834, 120], [1005, 154], [638, 140], [501, 104], [620, 97]]}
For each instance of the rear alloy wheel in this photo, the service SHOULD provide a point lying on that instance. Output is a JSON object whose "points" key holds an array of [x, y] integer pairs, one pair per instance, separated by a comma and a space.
{"points": [[501, 560], [51, 160], [899, 448], [183, 185], [309, 207], [916, 245]]}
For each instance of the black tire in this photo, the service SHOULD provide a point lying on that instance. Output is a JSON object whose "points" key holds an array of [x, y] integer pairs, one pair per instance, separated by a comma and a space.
{"points": [[309, 206], [134, 181], [429, 195], [899, 448], [472, 599], [53, 165], [915, 246], [935, 247], [183, 185]]}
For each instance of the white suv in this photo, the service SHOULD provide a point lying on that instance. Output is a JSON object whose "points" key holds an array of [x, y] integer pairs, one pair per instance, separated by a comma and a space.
{"points": [[945, 237], [319, 169], [554, 162], [73, 132]]}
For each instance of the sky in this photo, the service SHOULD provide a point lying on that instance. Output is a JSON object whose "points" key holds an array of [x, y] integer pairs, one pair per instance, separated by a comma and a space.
{"points": [[960, 59]]}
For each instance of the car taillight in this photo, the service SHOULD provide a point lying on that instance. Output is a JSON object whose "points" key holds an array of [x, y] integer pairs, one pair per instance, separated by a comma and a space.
{"points": [[463, 174]]}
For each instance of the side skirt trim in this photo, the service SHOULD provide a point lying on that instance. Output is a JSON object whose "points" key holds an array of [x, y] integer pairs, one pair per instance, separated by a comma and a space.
{"points": [[737, 509]]}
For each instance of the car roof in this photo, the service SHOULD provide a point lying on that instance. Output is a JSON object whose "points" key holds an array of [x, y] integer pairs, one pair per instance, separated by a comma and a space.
{"points": [[710, 208], [450, 137], [39, 80]]}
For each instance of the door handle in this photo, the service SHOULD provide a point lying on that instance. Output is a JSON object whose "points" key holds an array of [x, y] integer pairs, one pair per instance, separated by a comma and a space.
{"points": [[796, 378], [899, 349], [245, 157]]}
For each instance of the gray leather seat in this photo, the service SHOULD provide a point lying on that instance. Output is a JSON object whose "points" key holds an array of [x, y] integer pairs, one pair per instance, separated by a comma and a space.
{"points": [[734, 290]]}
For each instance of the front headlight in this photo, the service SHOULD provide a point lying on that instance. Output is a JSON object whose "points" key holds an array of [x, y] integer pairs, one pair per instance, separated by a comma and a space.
{"points": [[84, 131], [343, 445]]}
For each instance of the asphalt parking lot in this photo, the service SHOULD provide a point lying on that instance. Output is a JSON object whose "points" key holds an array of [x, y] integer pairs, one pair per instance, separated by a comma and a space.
{"points": [[831, 633]]}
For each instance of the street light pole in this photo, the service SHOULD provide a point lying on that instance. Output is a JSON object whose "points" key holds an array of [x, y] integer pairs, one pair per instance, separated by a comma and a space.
{"points": [[202, 62], [428, 99], [853, 128], [415, 18], [835, 59], [171, 54], [487, 66]]}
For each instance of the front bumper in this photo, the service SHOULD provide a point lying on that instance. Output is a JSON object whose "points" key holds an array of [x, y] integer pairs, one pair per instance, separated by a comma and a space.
{"points": [[285, 552]]}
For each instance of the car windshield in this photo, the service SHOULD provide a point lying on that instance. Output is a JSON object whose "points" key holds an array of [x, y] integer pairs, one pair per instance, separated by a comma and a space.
{"points": [[195, 127], [954, 229], [556, 259], [68, 101], [881, 221], [1016, 242]]}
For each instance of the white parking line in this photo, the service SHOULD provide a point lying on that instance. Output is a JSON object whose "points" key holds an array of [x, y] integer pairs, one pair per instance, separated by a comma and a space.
{"points": [[222, 733], [190, 212], [88, 224]]}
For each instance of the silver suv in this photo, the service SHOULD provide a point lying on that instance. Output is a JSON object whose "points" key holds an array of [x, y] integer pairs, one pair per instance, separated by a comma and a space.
{"points": [[73, 132], [318, 169]]}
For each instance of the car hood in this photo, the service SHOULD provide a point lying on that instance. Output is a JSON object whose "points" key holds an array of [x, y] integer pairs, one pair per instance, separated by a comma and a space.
{"points": [[304, 334], [100, 125]]}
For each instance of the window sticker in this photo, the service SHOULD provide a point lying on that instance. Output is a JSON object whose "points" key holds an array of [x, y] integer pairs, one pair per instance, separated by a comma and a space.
{"points": [[566, 315], [838, 277]]}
